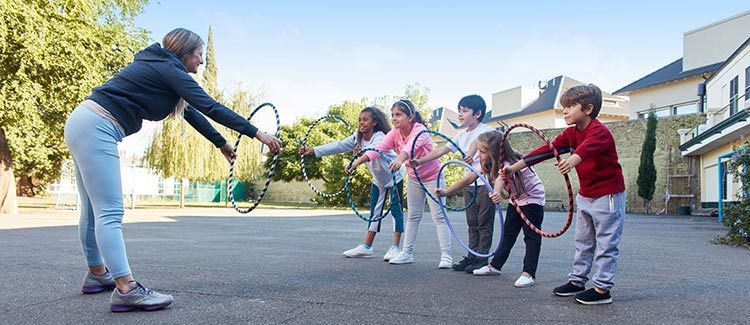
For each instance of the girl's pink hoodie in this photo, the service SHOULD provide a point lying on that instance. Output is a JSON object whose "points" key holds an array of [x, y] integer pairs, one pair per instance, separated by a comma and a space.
{"points": [[394, 141]]}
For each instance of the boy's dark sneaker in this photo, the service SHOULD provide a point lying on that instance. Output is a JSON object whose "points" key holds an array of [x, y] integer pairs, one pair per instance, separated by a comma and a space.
{"points": [[592, 297], [568, 289], [478, 264], [461, 266]]}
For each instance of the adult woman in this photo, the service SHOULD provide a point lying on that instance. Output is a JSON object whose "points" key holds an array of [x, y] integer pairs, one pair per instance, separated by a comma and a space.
{"points": [[154, 86]]}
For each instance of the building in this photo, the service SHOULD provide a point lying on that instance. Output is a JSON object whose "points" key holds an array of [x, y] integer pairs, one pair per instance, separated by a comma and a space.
{"points": [[540, 106], [677, 87], [727, 124], [447, 122]]}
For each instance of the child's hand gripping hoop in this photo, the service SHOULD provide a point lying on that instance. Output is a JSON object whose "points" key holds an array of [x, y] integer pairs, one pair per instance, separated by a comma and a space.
{"points": [[392, 190], [416, 174], [302, 157], [448, 220], [567, 184], [270, 171]]}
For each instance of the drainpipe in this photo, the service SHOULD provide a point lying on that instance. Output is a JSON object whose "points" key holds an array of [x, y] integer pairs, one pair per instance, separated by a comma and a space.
{"points": [[721, 184], [702, 93]]}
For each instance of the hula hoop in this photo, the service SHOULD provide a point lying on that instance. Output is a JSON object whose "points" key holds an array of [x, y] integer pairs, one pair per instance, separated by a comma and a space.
{"points": [[567, 184], [393, 191], [302, 157], [448, 220], [270, 171], [416, 174]]}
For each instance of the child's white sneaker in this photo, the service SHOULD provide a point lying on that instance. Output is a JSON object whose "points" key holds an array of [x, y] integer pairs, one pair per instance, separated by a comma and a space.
{"points": [[391, 253], [359, 251], [402, 258], [486, 270], [445, 262], [524, 281]]}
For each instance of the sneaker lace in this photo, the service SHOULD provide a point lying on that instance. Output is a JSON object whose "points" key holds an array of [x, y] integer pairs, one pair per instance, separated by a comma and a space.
{"points": [[142, 288]]}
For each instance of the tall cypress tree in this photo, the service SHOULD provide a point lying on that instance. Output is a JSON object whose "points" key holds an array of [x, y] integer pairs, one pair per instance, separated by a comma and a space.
{"points": [[179, 151], [210, 74], [647, 170]]}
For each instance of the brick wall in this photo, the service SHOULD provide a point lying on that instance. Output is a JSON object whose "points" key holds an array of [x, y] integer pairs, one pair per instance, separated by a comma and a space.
{"points": [[629, 136]]}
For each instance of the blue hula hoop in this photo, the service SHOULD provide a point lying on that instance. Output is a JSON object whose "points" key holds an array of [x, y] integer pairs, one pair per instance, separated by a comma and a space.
{"points": [[448, 220], [393, 191], [302, 157], [416, 174]]}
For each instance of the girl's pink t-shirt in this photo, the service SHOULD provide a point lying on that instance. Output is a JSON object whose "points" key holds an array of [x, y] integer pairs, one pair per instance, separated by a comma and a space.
{"points": [[394, 141], [534, 188]]}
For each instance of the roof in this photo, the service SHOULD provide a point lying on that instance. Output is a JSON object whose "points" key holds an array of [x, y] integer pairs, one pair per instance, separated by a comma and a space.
{"points": [[546, 101], [670, 72]]}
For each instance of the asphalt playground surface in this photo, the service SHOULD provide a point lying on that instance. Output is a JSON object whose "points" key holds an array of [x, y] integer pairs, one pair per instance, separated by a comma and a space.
{"points": [[286, 267]]}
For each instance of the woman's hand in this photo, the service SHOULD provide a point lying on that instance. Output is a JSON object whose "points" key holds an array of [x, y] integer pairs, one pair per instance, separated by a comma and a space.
{"points": [[227, 151], [415, 162], [273, 143], [439, 192]]}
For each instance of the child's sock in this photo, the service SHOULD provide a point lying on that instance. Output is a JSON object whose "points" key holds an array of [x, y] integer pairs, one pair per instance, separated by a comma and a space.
{"points": [[366, 246]]}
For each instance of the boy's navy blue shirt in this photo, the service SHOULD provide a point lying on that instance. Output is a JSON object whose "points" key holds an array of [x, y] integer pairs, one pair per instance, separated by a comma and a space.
{"points": [[150, 88]]}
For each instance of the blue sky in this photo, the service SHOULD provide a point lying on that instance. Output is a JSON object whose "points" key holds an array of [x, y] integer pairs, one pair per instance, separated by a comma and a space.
{"points": [[306, 55]]}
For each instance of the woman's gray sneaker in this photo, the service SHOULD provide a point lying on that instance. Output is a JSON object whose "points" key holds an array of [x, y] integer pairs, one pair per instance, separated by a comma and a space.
{"points": [[139, 298], [97, 283]]}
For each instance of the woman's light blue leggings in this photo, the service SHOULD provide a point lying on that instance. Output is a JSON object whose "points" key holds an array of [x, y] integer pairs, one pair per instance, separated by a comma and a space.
{"points": [[92, 141]]}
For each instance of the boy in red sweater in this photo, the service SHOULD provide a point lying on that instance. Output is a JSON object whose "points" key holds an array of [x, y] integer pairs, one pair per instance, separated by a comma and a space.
{"points": [[601, 198]]}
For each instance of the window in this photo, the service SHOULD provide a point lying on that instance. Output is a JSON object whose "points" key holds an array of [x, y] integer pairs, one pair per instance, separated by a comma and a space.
{"points": [[685, 108], [733, 90], [659, 112], [747, 83]]}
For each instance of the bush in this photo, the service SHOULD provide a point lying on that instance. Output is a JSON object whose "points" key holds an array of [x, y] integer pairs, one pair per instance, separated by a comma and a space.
{"points": [[737, 215]]}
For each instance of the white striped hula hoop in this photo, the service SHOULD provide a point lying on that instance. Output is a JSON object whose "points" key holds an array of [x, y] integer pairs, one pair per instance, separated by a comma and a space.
{"points": [[271, 171], [302, 157]]}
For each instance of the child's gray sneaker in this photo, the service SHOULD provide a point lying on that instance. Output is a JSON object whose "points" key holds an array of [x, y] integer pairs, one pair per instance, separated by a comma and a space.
{"points": [[139, 298], [97, 283]]}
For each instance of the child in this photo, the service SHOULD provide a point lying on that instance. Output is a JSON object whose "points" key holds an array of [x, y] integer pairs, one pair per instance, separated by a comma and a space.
{"points": [[480, 216], [601, 198], [373, 126], [407, 123], [528, 191]]}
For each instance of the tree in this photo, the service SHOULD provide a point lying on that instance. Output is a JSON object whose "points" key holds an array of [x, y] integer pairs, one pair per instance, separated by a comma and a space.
{"points": [[181, 152], [211, 71], [332, 168], [8, 202], [737, 214], [647, 171], [51, 55]]}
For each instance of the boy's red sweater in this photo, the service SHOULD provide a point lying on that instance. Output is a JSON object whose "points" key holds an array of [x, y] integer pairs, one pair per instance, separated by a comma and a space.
{"points": [[599, 173]]}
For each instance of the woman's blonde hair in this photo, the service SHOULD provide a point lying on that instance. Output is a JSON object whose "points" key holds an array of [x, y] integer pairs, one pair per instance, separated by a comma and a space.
{"points": [[181, 42]]}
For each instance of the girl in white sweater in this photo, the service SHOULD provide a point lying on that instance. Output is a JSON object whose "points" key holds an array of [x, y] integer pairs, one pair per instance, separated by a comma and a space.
{"points": [[373, 125]]}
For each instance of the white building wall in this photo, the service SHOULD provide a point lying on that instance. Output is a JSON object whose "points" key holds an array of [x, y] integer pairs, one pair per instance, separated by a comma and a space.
{"points": [[717, 89], [664, 95], [714, 42]]}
